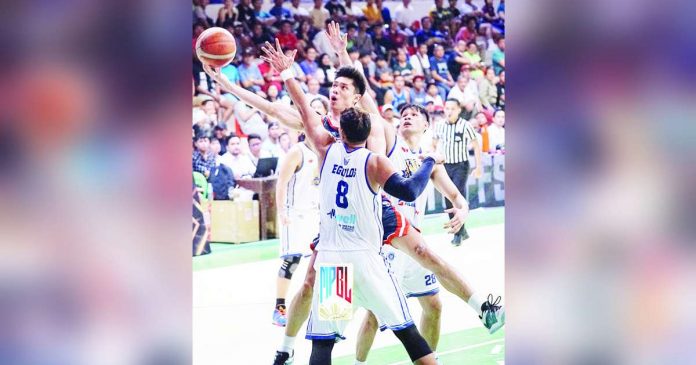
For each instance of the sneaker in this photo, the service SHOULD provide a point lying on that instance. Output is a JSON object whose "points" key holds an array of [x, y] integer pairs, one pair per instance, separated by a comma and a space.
{"points": [[463, 234], [493, 316], [457, 240], [280, 318], [284, 358]]}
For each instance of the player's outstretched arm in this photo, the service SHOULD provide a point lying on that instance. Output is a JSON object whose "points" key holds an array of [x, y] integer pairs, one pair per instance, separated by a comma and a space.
{"points": [[318, 136], [381, 172], [444, 185], [284, 113]]}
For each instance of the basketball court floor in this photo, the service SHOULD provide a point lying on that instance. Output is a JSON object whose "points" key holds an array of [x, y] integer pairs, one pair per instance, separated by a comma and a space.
{"points": [[234, 296]]}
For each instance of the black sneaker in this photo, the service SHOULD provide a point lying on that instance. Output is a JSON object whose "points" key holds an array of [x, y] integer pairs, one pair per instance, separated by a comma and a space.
{"points": [[284, 358], [457, 240], [493, 316], [463, 234]]}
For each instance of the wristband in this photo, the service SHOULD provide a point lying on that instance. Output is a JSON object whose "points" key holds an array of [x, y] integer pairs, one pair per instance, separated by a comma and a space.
{"points": [[287, 74]]}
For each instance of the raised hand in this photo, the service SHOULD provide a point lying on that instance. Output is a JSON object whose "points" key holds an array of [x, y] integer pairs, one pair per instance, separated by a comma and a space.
{"points": [[338, 41], [218, 77], [276, 58]]}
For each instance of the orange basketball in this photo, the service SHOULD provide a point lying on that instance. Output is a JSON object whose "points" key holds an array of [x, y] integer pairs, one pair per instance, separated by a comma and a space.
{"points": [[216, 47]]}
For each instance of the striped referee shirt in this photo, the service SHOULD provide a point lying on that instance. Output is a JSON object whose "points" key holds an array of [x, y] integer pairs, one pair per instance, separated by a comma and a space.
{"points": [[454, 140]]}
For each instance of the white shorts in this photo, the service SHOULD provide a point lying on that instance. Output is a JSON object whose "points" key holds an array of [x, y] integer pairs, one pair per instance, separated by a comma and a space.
{"points": [[296, 236], [374, 288], [414, 279]]}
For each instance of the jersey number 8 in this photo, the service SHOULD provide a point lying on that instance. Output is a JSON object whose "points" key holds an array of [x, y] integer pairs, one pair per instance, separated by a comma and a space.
{"points": [[341, 191]]}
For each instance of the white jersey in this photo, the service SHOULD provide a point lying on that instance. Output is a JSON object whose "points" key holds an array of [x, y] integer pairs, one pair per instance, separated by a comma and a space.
{"points": [[351, 213], [303, 187], [407, 162]]}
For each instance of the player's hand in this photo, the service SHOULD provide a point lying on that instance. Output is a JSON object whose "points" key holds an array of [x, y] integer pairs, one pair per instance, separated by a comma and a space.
{"points": [[439, 159], [477, 173], [218, 77], [276, 58], [338, 41], [456, 223]]}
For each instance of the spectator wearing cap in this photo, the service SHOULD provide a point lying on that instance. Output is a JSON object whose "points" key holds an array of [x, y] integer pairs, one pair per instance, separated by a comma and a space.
{"points": [[401, 65], [319, 15], [440, 71], [398, 94], [372, 13], [405, 14], [271, 146], [261, 15], [363, 40], [418, 94], [388, 115], [488, 94], [286, 37], [249, 73], [298, 12], [227, 14], [203, 159], [309, 65], [235, 159]]}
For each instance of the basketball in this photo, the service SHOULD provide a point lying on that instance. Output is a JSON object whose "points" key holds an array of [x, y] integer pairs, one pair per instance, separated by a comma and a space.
{"points": [[216, 47]]}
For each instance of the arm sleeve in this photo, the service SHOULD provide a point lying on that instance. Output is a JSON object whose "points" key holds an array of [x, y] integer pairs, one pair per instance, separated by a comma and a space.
{"points": [[409, 189]]}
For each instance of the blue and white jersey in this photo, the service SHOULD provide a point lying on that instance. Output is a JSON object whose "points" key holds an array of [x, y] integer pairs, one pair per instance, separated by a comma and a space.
{"points": [[351, 212], [407, 162]]}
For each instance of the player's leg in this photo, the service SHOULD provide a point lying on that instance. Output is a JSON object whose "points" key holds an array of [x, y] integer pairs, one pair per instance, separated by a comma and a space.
{"points": [[321, 352], [430, 319], [416, 346], [492, 314], [285, 273], [298, 312], [366, 337]]}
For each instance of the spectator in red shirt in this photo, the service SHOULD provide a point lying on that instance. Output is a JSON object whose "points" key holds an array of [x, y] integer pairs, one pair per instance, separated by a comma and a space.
{"points": [[467, 34], [287, 39]]}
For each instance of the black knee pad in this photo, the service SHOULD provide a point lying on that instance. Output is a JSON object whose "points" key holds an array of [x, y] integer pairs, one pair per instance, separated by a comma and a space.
{"points": [[413, 342], [321, 352], [288, 267]]}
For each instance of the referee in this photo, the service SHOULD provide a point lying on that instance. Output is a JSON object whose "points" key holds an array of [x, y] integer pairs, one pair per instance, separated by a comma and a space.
{"points": [[452, 139]]}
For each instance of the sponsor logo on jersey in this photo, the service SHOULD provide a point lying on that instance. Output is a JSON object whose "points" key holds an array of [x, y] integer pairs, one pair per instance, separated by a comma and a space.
{"points": [[345, 222], [335, 292], [343, 172]]}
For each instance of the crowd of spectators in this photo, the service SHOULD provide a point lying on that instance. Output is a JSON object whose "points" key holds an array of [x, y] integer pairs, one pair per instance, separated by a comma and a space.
{"points": [[453, 51]]}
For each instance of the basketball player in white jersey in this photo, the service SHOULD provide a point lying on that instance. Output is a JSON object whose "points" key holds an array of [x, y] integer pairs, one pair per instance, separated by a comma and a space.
{"points": [[343, 95], [297, 201], [414, 279]]}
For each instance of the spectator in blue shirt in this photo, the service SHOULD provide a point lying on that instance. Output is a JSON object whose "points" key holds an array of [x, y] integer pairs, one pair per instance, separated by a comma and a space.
{"points": [[429, 35], [309, 65], [279, 12], [263, 16], [499, 56], [440, 72], [249, 73]]}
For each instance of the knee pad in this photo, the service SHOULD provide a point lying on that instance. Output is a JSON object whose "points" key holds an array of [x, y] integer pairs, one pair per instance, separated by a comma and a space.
{"points": [[413, 342], [321, 352], [288, 267]]}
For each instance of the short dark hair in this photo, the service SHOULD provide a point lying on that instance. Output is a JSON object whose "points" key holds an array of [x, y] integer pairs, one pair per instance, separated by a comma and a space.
{"points": [[417, 108], [454, 101], [355, 124], [355, 75], [253, 136]]}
